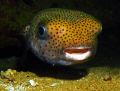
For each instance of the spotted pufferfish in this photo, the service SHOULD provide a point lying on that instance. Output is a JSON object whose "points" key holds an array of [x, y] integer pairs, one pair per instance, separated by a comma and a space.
{"points": [[62, 36]]}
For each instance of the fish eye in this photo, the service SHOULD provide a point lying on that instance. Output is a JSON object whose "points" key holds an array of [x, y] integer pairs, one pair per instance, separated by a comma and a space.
{"points": [[41, 31]]}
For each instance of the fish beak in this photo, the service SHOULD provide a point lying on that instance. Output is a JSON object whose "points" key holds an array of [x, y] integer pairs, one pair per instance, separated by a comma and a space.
{"points": [[79, 54]]}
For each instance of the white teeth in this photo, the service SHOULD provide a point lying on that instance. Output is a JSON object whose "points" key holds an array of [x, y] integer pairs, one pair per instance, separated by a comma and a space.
{"points": [[77, 57]]}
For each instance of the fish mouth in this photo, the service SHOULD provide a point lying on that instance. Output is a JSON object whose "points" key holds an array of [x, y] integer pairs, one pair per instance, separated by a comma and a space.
{"points": [[73, 55], [80, 54]]}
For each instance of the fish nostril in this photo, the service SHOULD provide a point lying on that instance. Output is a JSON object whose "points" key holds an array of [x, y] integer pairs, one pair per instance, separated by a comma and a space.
{"points": [[101, 28]]}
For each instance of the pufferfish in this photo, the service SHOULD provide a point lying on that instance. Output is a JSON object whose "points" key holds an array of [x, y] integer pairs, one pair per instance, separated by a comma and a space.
{"points": [[62, 36]]}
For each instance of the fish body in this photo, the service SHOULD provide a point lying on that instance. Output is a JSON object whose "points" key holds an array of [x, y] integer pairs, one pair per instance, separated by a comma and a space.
{"points": [[62, 36]]}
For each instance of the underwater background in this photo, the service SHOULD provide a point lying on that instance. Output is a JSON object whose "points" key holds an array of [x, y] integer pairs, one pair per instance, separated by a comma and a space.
{"points": [[16, 14]]}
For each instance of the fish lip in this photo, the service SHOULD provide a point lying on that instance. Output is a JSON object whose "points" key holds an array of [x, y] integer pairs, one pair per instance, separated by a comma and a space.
{"points": [[78, 50], [77, 54]]}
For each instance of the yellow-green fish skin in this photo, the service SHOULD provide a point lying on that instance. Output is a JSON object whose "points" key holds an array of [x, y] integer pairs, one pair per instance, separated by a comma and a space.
{"points": [[62, 36]]}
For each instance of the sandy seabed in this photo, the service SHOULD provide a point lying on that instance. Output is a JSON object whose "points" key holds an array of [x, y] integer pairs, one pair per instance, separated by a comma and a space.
{"points": [[96, 78]]}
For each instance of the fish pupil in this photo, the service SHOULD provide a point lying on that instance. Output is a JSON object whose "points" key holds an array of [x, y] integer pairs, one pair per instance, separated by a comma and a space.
{"points": [[41, 31]]}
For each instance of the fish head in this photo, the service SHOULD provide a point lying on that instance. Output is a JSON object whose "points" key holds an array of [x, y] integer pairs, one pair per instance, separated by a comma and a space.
{"points": [[63, 37]]}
